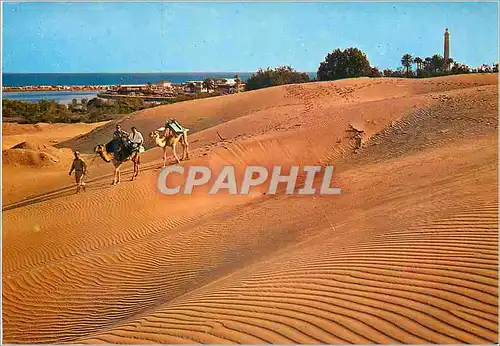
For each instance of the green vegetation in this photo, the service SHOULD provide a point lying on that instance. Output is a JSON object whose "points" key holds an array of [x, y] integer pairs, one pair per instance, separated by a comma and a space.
{"points": [[94, 110], [407, 61], [87, 111], [237, 80], [347, 63], [339, 64], [352, 62], [25, 112], [209, 84], [434, 66], [273, 77]]}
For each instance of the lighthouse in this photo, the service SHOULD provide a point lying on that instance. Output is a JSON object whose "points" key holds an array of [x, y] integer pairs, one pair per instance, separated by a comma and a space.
{"points": [[446, 50]]}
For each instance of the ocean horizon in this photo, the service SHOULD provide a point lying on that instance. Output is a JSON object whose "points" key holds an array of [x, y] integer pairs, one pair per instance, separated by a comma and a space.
{"points": [[67, 79]]}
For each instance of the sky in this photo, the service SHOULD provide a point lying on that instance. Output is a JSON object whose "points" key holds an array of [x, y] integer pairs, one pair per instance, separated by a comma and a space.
{"points": [[226, 37]]}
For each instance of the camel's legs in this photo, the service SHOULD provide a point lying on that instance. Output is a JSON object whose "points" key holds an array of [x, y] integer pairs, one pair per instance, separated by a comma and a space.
{"points": [[134, 172], [136, 162], [185, 147], [174, 145], [164, 156], [116, 179], [114, 176]]}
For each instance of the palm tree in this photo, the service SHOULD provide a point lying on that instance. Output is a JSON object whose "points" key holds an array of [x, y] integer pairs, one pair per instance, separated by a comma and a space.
{"points": [[450, 64], [238, 82], [406, 61], [437, 64], [427, 66], [418, 61], [208, 84]]}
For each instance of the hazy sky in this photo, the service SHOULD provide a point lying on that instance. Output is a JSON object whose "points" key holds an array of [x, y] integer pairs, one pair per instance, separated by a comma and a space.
{"points": [[201, 37]]}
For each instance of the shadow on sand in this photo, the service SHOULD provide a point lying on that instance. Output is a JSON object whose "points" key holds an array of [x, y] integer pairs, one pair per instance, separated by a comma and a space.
{"points": [[94, 184]]}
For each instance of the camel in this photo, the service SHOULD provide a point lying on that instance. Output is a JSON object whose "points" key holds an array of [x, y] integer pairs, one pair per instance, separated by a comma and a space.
{"points": [[124, 154], [170, 140]]}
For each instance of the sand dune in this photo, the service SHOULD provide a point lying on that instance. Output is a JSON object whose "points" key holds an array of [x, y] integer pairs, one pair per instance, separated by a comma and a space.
{"points": [[33, 147], [13, 134], [407, 254], [35, 155]]}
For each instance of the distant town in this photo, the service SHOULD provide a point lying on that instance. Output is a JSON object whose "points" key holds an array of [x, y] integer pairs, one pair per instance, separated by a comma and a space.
{"points": [[150, 91]]}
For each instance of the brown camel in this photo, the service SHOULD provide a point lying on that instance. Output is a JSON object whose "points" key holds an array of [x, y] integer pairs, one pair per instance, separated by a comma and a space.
{"points": [[170, 139], [118, 157]]}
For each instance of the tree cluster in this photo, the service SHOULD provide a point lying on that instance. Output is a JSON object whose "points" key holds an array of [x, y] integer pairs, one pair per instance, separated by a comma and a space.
{"points": [[347, 63], [273, 77], [94, 110], [339, 64], [434, 66]]}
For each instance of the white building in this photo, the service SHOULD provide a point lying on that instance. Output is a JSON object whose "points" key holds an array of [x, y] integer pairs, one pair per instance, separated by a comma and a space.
{"points": [[194, 86], [132, 87], [164, 84]]}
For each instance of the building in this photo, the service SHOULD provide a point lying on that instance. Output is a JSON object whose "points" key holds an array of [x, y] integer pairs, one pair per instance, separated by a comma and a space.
{"points": [[194, 87], [446, 50], [131, 88], [164, 85], [229, 81], [229, 85]]}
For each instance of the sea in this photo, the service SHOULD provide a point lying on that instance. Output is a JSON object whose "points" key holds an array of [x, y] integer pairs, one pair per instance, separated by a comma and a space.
{"points": [[39, 79], [64, 97]]}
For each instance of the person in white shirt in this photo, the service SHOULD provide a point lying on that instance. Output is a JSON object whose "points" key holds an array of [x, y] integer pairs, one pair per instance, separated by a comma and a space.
{"points": [[136, 138]]}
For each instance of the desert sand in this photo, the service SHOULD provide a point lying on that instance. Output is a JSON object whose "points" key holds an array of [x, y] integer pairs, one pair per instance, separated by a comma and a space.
{"points": [[408, 253]]}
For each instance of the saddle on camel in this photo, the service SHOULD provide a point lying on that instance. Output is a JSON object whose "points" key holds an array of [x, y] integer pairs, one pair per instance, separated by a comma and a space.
{"points": [[119, 150]]}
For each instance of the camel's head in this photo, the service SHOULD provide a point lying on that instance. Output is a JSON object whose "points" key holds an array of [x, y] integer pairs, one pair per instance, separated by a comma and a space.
{"points": [[154, 135], [101, 150]]}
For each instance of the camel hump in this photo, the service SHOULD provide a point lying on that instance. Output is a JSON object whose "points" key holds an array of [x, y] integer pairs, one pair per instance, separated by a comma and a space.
{"points": [[112, 145]]}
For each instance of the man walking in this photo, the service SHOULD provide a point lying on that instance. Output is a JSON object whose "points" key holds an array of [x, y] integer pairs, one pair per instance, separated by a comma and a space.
{"points": [[80, 168]]}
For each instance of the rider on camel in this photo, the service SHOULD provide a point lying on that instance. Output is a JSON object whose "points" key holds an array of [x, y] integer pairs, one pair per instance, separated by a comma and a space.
{"points": [[122, 136]]}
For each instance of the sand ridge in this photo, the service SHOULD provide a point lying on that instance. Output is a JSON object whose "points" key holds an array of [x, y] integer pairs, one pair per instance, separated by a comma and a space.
{"points": [[407, 254]]}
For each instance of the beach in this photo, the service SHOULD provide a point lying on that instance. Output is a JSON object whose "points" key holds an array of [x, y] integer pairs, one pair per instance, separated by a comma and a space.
{"points": [[407, 253]]}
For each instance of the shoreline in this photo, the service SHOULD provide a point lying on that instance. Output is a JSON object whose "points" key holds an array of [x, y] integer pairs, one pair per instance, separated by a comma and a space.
{"points": [[143, 97], [64, 97], [72, 88], [93, 81]]}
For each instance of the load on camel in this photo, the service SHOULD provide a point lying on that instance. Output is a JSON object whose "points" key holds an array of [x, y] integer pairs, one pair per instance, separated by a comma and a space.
{"points": [[118, 151], [168, 136]]}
